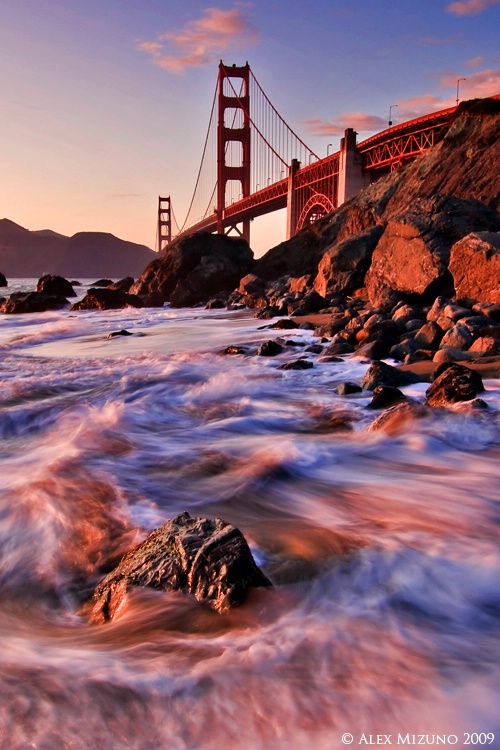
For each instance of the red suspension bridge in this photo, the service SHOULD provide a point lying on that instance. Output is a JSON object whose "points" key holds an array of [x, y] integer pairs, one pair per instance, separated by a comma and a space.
{"points": [[253, 163]]}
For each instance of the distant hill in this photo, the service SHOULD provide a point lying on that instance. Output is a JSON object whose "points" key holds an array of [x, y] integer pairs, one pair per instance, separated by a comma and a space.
{"points": [[25, 254]]}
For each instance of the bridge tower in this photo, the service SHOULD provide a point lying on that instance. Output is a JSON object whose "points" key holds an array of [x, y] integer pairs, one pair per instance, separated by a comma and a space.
{"points": [[164, 233], [233, 127]]}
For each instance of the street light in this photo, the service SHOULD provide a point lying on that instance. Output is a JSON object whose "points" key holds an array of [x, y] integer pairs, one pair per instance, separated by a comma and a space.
{"points": [[390, 113], [311, 156], [328, 148], [458, 86]]}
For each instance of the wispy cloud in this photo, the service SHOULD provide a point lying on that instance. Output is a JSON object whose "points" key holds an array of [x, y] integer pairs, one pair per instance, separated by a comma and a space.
{"points": [[475, 62], [470, 7], [476, 85], [201, 41], [359, 121], [439, 41]]}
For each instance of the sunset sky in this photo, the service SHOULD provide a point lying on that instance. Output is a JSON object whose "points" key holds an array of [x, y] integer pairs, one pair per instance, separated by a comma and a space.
{"points": [[105, 103]]}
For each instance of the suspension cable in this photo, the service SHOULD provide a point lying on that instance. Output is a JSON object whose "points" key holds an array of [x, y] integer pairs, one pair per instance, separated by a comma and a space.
{"points": [[280, 117], [202, 158], [245, 110]]}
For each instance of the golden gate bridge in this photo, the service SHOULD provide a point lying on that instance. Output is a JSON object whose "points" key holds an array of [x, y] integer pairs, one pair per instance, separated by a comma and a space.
{"points": [[253, 163]]}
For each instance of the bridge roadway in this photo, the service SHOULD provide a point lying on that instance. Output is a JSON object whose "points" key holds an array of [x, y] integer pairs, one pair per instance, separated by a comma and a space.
{"points": [[322, 186]]}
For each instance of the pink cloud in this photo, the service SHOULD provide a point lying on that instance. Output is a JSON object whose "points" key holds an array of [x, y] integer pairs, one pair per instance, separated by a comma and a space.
{"points": [[475, 62], [476, 85], [470, 7], [201, 41], [359, 121]]}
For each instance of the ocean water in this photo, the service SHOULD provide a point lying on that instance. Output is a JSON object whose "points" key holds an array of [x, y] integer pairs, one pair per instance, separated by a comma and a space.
{"points": [[383, 548]]}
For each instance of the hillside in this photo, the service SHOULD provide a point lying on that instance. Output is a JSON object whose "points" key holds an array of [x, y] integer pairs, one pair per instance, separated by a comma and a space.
{"points": [[26, 254]]}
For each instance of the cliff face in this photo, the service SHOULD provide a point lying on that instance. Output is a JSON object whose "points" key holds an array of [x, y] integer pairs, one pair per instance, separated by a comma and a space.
{"points": [[449, 192], [26, 254]]}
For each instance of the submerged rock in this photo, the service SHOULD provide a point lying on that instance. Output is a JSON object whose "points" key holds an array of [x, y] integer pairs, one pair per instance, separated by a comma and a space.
{"points": [[207, 558]]}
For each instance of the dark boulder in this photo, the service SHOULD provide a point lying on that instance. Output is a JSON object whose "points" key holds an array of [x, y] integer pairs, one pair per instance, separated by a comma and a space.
{"points": [[456, 383], [106, 299], [21, 302], [429, 335], [207, 558], [55, 286], [297, 364], [380, 373], [196, 268], [3, 280], [384, 396], [284, 324], [347, 388], [270, 349], [103, 282]]}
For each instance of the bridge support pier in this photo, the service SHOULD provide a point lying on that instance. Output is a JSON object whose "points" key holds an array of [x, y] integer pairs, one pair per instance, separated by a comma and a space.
{"points": [[233, 128], [352, 177], [164, 231], [291, 200]]}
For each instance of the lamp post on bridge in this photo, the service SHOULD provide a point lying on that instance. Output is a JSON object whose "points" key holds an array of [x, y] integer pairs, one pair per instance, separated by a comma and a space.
{"points": [[328, 149], [390, 114], [458, 86]]}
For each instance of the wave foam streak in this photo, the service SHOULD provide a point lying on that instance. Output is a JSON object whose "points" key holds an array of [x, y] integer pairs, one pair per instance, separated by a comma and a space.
{"points": [[383, 550]]}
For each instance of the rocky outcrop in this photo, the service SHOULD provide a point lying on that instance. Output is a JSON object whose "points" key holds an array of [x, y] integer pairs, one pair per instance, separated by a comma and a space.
{"points": [[3, 280], [475, 267], [196, 268], [106, 299], [207, 558], [55, 285]]}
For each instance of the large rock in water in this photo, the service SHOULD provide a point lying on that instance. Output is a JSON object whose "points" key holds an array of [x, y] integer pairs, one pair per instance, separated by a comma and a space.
{"points": [[475, 267], [207, 558], [55, 285], [195, 268]]}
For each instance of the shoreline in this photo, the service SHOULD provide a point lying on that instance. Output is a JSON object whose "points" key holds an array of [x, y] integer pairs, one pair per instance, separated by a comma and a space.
{"points": [[487, 366]]}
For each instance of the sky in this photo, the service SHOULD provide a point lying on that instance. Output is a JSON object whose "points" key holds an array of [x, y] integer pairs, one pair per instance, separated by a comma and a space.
{"points": [[105, 103]]}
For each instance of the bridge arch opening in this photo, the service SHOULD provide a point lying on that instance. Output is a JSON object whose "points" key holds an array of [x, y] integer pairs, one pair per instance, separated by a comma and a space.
{"points": [[233, 156], [234, 118], [315, 208], [234, 191]]}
